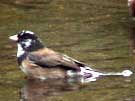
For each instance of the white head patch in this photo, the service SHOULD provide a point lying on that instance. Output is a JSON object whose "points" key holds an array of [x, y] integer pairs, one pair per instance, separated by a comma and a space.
{"points": [[27, 43], [30, 32]]}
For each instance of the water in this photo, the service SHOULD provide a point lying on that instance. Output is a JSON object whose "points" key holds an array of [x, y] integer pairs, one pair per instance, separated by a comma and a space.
{"points": [[99, 33]]}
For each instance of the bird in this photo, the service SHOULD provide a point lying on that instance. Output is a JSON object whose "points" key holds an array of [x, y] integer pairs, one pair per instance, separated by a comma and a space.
{"points": [[40, 62]]}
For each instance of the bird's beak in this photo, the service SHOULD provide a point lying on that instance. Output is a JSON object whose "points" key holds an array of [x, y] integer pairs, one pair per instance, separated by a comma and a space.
{"points": [[14, 38]]}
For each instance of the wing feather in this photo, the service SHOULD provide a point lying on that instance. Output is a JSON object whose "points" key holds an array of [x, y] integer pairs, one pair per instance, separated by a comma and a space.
{"points": [[55, 59]]}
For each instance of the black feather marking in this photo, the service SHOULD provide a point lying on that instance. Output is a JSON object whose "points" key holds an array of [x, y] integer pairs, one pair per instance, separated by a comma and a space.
{"points": [[21, 58]]}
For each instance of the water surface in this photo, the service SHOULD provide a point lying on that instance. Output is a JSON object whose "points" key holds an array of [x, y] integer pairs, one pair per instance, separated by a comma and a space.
{"points": [[99, 33]]}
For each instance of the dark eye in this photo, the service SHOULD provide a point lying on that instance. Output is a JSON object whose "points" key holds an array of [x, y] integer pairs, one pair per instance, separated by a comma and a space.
{"points": [[26, 37]]}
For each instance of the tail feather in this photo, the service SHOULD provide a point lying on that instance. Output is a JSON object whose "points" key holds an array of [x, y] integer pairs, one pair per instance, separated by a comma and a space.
{"points": [[88, 72], [125, 73]]}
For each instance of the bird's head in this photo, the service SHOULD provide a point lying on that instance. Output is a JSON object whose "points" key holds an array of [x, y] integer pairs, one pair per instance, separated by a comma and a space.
{"points": [[27, 40]]}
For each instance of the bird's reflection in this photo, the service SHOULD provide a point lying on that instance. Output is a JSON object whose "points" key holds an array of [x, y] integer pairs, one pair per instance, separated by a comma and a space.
{"points": [[37, 90]]}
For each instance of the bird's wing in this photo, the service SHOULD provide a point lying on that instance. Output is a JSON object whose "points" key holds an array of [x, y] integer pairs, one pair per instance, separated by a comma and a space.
{"points": [[55, 59]]}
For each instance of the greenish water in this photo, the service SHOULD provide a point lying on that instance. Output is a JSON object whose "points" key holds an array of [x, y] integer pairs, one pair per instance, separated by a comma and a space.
{"points": [[99, 33]]}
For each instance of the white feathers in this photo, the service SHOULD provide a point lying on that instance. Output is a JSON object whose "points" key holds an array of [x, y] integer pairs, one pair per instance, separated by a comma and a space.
{"points": [[71, 73], [27, 43], [127, 73], [20, 50], [96, 74], [93, 73], [65, 58], [42, 78], [30, 32]]}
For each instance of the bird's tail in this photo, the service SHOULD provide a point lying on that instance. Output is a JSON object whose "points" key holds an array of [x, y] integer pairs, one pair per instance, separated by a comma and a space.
{"points": [[125, 73], [92, 75]]}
